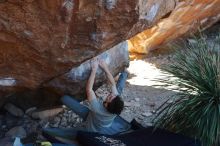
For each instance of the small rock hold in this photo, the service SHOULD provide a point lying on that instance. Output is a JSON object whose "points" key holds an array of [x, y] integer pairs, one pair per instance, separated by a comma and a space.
{"points": [[12, 109]]}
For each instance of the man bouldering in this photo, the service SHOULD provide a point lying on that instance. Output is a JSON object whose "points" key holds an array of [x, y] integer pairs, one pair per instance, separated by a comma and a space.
{"points": [[100, 116]]}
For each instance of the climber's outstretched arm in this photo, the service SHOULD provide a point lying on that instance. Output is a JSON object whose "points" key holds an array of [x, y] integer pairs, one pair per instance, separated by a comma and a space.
{"points": [[89, 86], [104, 66]]}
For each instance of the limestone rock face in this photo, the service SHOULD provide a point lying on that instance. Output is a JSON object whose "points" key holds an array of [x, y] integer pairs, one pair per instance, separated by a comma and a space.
{"points": [[43, 43], [74, 81], [42, 40], [187, 17]]}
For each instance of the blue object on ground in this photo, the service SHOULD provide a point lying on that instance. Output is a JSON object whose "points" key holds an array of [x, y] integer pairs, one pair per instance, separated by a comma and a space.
{"points": [[17, 142]]}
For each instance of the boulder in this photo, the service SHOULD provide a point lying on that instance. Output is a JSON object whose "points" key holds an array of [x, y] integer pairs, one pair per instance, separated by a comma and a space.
{"points": [[42, 41], [46, 45], [46, 113], [74, 81], [13, 110]]}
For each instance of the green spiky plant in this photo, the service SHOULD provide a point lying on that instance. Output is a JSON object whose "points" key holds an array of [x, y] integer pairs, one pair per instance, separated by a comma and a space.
{"points": [[196, 108]]}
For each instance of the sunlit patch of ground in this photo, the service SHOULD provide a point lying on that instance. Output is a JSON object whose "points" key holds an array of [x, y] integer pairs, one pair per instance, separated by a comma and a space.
{"points": [[142, 98], [143, 73], [147, 74]]}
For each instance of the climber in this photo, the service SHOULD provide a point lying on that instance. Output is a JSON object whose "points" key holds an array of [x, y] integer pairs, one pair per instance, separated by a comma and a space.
{"points": [[102, 115]]}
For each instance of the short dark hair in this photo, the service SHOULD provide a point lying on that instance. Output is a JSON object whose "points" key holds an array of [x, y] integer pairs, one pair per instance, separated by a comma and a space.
{"points": [[115, 106]]}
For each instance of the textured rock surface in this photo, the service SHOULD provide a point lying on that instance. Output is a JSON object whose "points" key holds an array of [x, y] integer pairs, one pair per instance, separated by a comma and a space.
{"points": [[43, 40], [188, 16], [75, 80]]}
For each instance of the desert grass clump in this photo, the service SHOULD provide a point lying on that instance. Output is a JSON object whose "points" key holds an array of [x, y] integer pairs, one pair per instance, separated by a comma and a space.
{"points": [[196, 108]]}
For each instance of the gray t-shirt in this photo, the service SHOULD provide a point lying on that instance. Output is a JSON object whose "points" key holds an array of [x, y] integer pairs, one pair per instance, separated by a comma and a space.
{"points": [[98, 117]]}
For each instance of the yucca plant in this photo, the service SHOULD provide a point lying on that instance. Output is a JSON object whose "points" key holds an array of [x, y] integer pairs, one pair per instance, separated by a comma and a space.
{"points": [[196, 108]]}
